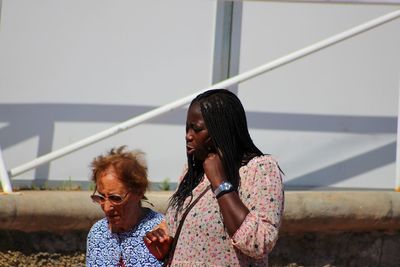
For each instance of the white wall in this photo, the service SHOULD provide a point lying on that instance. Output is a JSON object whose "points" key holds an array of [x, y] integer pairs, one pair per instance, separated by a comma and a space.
{"points": [[69, 69], [330, 117]]}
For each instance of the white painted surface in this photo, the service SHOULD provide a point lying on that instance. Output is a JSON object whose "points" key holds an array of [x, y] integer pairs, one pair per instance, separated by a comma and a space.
{"points": [[119, 59], [117, 54], [357, 78]]}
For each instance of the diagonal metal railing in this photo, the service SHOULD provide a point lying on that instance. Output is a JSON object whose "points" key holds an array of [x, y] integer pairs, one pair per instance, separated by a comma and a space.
{"points": [[185, 100]]}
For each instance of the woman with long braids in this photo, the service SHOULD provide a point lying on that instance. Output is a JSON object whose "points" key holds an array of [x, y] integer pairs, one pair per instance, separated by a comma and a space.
{"points": [[228, 207]]}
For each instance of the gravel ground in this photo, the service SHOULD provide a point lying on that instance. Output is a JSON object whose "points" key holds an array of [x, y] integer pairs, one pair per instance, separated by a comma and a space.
{"points": [[18, 259]]}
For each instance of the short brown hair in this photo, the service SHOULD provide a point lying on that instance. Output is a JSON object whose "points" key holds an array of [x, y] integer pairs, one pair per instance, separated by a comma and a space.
{"points": [[129, 166]]}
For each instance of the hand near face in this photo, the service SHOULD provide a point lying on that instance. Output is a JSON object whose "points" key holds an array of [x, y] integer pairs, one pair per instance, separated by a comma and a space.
{"points": [[214, 169], [158, 241]]}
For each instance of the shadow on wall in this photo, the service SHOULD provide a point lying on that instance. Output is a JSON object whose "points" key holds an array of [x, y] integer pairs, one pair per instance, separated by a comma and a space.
{"points": [[28, 120]]}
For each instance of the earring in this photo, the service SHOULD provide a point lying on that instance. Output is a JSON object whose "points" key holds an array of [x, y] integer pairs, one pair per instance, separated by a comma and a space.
{"points": [[193, 161]]}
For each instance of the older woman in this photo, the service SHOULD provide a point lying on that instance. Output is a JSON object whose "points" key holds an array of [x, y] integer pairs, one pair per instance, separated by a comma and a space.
{"points": [[117, 240]]}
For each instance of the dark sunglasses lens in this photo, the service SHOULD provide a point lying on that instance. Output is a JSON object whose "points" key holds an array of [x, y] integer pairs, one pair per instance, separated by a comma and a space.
{"points": [[97, 198], [115, 199]]}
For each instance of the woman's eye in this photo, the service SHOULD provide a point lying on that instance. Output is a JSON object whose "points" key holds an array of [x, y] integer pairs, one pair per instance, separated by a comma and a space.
{"points": [[196, 128], [115, 198]]}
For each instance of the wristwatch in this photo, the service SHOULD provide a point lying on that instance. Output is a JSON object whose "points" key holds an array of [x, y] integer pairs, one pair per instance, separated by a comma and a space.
{"points": [[222, 189]]}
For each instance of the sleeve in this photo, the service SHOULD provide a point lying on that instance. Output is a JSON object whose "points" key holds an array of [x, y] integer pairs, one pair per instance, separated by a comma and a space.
{"points": [[262, 192], [99, 252], [89, 248], [170, 220]]}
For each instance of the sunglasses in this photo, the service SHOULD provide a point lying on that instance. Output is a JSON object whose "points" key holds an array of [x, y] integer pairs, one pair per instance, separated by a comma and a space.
{"points": [[114, 199]]}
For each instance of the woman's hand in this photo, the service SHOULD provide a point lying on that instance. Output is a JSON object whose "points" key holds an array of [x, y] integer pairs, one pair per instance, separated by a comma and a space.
{"points": [[214, 170], [231, 206], [158, 241]]}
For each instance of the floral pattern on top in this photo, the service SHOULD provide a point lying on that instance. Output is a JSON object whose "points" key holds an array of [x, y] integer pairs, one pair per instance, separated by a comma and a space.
{"points": [[105, 248], [204, 240]]}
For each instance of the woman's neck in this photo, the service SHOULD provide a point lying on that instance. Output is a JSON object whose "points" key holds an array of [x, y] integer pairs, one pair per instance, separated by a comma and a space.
{"points": [[132, 222]]}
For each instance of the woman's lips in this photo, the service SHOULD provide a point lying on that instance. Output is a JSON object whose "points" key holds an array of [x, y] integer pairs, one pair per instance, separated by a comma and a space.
{"points": [[189, 150], [112, 218]]}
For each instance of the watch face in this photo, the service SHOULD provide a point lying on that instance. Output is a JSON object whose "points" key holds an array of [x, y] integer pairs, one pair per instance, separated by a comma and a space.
{"points": [[226, 186], [223, 187]]}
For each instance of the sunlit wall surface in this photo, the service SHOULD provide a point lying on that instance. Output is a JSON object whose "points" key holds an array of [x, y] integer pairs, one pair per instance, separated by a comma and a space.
{"points": [[69, 69], [330, 118]]}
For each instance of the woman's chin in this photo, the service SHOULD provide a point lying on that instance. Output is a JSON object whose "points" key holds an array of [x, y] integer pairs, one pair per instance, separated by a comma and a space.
{"points": [[116, 228], [190, 152], [115, 224]]}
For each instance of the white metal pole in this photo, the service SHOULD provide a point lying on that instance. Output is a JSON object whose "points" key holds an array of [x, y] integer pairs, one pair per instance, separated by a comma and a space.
{"points": [[5, 180], [224, 84], [397, 185]]}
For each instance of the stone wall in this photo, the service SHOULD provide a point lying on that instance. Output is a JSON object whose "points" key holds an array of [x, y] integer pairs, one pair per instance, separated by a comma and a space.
{"points": [[319, 228]]}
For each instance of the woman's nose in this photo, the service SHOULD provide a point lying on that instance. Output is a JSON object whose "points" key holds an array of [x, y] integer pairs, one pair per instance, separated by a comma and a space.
{"points": [[107, 206], [188, 136]]}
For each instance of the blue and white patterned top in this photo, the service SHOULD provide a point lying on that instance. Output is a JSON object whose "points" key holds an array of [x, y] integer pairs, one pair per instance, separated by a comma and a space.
{"points": [[105, 248]]}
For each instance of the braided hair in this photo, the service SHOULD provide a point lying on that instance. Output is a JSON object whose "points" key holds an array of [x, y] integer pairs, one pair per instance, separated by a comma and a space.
{"points": [[225, 119]]}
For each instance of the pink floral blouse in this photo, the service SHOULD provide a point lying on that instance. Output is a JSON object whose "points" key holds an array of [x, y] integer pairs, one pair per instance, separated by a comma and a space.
{"points": [[205, 242]]}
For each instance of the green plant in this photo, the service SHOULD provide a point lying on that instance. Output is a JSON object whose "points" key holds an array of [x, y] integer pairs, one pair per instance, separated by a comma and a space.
{"points": [[164, 185], [92, 186], [45, 186], [68, 185], [35, 187]]}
